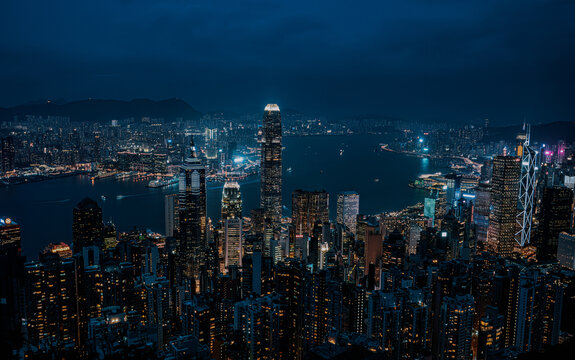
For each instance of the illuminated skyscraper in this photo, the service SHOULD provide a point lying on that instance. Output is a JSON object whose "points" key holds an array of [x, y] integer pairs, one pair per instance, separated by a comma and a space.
{"points": [[171, 213], [348, 209], [271, 164], [87, 228], [8, 154], [233, 250], [231, 201], [504, 195], [481, 211], [554, 217], [192, 202], [11, 283], [307, 208], [456, 327], [527, 185]]}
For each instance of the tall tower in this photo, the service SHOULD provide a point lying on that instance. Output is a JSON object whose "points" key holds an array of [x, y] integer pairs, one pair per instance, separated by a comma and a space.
{"points": [[8, 152], [231, 201], [87, 226], [192, 202], [348, 209], [527, 184], [504, 195], [271, 164], [233, 249], [307, 208], [554, 218]]}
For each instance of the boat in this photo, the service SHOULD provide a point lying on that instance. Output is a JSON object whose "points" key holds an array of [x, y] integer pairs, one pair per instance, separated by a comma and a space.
{"points": [[103, 198]]}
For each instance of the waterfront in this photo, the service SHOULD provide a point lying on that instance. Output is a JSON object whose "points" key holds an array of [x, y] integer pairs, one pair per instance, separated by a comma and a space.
{"points": [[333, 163]]}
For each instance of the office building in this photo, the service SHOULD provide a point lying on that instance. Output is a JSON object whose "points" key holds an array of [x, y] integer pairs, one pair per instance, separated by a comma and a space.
{"points": [[554, 217], [192, 205], [231, 201], [504, 197], [271, 164], [171, 214], [348, 209], [566, 250], [309, 207], [87, 227], [233, 244]]}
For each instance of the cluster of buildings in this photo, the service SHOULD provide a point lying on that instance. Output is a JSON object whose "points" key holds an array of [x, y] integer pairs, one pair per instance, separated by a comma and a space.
{"points": [[487, 276]]}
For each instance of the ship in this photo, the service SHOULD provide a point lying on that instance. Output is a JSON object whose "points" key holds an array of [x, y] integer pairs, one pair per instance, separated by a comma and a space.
{"points": [[161, 182]]}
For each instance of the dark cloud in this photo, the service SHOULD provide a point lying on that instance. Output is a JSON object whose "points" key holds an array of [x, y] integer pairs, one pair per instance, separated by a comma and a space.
{"points": [[417, 59]]}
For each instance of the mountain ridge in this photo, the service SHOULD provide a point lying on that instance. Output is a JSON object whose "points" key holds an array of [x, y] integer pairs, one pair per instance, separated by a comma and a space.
{"points": [[102, 110]]}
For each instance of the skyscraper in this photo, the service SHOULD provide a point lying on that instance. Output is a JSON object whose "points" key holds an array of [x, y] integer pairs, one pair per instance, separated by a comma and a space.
{"points": [[233, 252], [8, 154], [87, 227], [481, 211], [566, 250], [554, 218], [527, 185], [11, 283], [192, 202], [456, 327], [171, 213], [271, 164], [504, 196], [231, 201], [348, 209], [308, 207]]}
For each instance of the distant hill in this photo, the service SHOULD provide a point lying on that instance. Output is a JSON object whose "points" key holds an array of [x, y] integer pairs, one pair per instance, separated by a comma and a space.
{"points": [[542, 133], [100, 110]]}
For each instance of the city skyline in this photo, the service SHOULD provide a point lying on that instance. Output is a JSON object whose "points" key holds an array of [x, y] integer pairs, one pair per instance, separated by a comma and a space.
{"points": [[287, 180]]}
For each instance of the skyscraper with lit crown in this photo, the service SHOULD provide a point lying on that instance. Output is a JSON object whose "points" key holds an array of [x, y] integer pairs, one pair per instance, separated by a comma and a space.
{"points": [[192, 202], [231, 201], [271, 164]]}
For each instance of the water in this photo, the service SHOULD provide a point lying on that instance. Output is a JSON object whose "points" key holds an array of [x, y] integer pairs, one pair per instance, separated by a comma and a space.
{"points": [[44, 209]]}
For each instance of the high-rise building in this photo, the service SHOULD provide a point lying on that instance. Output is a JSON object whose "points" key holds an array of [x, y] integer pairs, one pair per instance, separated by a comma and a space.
{"points": [[308, 207], [231, 201], [481, 211], [504, 196], [490, 338], [384, 322], [271, 164], [192, 204], [87, 227], [554, 217], [8, 153], [453, 190], [348, 209], [233, 246], [11, 285], [456, 327], [171, 213], [52, 304], [261, 323], [566, 250], [527, 184]]}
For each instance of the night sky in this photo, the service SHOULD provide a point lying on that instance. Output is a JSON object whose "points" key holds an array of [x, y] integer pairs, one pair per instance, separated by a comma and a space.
{"points": [[455, 60]]}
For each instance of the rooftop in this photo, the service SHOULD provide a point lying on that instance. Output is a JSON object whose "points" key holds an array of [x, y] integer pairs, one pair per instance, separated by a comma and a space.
{"points": [[272, 107]]}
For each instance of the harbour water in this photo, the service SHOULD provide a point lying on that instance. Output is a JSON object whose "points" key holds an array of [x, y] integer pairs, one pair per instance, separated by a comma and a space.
{"points": [[333, 163]]}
